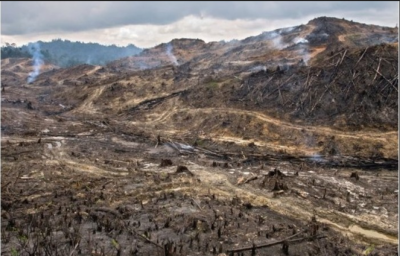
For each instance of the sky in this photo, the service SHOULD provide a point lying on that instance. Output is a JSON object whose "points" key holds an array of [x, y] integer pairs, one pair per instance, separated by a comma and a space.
{"points": [[147, 24]]}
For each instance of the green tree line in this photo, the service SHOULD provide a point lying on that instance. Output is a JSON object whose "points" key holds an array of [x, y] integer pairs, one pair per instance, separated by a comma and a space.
{"points": [[65, 53]]}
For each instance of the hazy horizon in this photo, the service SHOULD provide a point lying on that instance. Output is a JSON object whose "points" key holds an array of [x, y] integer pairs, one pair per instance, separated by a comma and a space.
{"points": [[146, 25]]}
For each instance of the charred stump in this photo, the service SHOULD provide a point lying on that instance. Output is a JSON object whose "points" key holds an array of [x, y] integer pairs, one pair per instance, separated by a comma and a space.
{"points": [[165, 162]]}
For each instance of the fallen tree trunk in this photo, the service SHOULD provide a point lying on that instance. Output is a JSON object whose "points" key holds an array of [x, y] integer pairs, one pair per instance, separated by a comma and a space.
{"points": [[287, 240]]}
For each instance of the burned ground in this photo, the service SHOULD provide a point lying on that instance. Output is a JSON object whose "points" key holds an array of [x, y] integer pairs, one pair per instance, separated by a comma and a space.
{"points": [[226, 153], [106, 193]]}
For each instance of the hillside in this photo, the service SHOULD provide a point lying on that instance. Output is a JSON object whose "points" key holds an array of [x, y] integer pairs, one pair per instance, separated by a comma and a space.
{"points": [[287, 139], [285, 46]]}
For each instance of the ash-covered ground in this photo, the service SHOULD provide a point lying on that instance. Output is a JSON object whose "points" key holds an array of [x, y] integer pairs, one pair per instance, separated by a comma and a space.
{"points": [[238, 148], [85, 187]]}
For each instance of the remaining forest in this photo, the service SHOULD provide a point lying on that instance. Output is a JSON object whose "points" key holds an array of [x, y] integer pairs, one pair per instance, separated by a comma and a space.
{"points": [[65, 53]]}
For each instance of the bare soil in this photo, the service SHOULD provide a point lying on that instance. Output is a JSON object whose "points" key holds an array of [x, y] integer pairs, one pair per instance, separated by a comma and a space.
{"points": [[90, 187]]}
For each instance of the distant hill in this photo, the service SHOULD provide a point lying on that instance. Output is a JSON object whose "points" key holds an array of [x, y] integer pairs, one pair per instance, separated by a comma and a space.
{"points": [[65, 53], [285, 46], [311, 88]]}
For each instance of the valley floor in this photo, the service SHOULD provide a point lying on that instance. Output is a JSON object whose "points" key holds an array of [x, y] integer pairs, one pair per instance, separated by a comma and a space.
{"points": [[83, 187]]}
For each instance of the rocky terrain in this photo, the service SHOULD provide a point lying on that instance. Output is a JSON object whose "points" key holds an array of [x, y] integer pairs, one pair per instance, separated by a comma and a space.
{"points": [[285, 143]]}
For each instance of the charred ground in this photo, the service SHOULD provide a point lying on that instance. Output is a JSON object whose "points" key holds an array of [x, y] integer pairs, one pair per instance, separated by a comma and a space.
{"points": [[290, 148]]}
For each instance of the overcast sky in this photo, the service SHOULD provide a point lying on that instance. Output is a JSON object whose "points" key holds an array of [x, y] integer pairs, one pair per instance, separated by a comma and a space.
{"points": [[146, 24]]}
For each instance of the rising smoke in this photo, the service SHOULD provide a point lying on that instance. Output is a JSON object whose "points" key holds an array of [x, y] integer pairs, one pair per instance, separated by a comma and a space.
{"points": [[258, 68], [287, 30], [89, 60], [171, 55], [300, 40], [34, 50], [142, 65], [317, 158], [277, 40], [305, 55], [303, 48]]}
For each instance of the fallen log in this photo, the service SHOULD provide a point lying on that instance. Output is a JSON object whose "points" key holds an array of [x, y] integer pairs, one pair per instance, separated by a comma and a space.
{"points": [[244, 181], [287, 240], [108, 210], [361, 57], [293, 241], [387, 80], [150, 103]]}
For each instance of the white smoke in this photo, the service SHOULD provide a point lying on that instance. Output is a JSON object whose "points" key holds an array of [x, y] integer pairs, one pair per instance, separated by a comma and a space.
{"points": [[317, 158], [287, 30], [171, 55], [232, 41], [305, 55], [34, 49], [277, 40], [258, 68], [300, 40], [89, 60], [142, 65]]}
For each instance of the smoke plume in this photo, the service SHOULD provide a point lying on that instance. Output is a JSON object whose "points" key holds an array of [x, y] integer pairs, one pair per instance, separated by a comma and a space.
{"points": [[34, 50], [303, 49], [258, 68], [277, 40], [171, 55], [305, 55], [300, 40]]}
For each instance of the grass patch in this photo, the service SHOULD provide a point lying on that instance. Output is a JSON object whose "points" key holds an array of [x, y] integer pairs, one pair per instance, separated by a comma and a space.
{"points": [[212, 85]]}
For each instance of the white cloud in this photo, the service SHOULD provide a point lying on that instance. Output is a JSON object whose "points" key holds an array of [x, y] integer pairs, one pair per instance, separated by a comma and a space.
{"points": [[205, 28], [149, 24]]}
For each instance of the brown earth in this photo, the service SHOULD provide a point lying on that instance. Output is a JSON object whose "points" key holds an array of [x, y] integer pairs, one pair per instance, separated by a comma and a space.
{"points": [[295, 160]]}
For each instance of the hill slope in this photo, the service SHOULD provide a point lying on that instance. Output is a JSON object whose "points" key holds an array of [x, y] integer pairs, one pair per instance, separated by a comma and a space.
{"points": [[343, 84]]}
